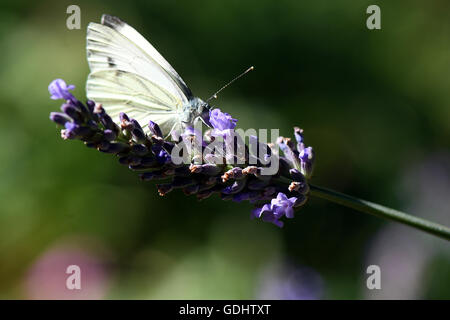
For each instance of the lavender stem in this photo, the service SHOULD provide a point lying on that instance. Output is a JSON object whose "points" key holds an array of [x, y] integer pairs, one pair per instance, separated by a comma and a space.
{"points": [[381, 211]]}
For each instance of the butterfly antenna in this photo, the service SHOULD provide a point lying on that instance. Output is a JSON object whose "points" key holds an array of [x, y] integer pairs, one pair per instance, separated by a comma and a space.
{"points": [[214, 96]]}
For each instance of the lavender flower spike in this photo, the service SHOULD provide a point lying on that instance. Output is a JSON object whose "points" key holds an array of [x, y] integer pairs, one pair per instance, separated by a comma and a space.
{"points": [[60, 90], [275, 196], [150, 155]]}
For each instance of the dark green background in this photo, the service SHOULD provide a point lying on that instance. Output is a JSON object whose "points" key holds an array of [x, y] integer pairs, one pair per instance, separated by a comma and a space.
{"points": [[375, 105]]}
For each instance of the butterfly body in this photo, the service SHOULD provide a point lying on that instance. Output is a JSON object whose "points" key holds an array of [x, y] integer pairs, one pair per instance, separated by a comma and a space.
{"points": [[129, 75]]}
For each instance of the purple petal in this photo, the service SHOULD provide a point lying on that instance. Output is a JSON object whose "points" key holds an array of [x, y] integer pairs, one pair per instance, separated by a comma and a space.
{"points": [[60, 90], [220, 120]]}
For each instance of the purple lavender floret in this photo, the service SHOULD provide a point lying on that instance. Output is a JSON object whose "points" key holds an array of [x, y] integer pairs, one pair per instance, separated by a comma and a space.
{"points": [[71, 130], [60, 90], [163, 157], [110, 135], [283, 206], [279, 207], [307, 161], [266, 214], [154, 129], [275, 197], [222, 122], [59, 118]]}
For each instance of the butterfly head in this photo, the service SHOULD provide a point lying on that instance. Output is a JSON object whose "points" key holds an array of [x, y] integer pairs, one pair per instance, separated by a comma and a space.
{"points": [[196, 109], [203, 111]]}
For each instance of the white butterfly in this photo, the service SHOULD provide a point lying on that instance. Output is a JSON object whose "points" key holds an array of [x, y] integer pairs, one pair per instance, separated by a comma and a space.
{"points": [[129, 75]]}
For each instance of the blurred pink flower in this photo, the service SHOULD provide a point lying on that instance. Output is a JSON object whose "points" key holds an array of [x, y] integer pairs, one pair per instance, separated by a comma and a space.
{"points": [[47, 277]]}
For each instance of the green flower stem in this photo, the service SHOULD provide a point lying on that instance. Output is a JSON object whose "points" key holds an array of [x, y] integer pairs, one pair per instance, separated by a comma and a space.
{"points": [[381, 211]]}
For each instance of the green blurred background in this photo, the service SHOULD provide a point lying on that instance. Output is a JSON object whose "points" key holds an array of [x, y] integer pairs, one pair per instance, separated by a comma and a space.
{"points": [[375, 105]]}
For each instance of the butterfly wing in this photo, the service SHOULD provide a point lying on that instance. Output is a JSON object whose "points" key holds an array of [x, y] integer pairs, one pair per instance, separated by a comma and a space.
{"points": [[129, 75], [122, 91]]}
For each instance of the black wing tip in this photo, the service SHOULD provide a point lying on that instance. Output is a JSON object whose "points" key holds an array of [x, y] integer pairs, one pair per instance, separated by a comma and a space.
{"points": [[112, 21]]}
